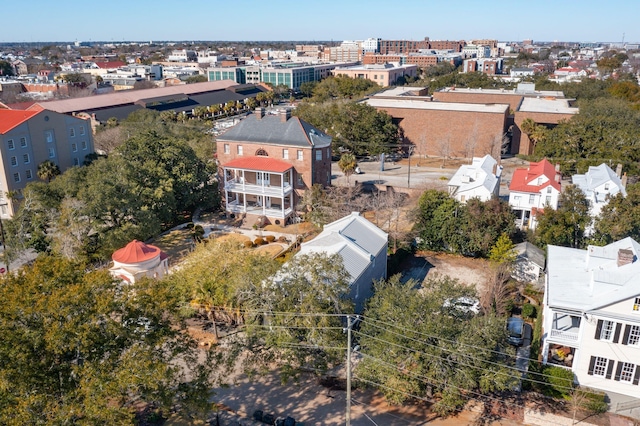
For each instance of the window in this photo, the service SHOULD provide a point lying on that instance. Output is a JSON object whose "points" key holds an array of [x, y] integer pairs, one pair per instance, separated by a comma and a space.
{"points": [[10, 144], [48, 136], [74, 147], [25, 159], [16, 177], [239, 149], [300, 154], [52, 153], [82, 130], [606, 186], [84, 144], [636, 305], [634, 335], [14, 161], [76, 162], [300, 181], [319, 155], [606, 333], [625, 371], [72, 132], [227, 149], [532, 199], [23, 142], [285, 154], [539, 181], [516, 199], [262, 153], [28, 174], [599, 366], [548, 190], [548, 199]]}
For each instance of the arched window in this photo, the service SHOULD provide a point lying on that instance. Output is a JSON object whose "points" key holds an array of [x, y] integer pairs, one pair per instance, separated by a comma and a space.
{"points": [[261, 152]]}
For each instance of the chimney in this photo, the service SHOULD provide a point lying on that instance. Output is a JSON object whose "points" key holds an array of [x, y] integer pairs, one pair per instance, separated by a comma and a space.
{"points": [[259, 113], [285, 115], [624, 180], [625, 257], [619, 170]]}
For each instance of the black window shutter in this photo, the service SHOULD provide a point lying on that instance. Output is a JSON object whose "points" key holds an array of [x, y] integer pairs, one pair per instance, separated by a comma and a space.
{"points": [[618, 371], [625, 336], [592, 363], [610, 368], [636, 377], [598, 330], [616, 335]]}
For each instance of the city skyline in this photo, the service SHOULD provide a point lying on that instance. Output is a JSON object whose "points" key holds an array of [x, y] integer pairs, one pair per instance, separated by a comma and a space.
{"points": [[252, 20]]}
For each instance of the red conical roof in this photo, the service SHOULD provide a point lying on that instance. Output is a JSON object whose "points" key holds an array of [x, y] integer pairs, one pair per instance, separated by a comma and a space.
{"points": [[135, 252]]}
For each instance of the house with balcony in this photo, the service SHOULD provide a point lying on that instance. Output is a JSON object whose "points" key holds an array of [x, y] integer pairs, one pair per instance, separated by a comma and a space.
{"points": [[599, 184], [531, 190], [591, 315], [267, 162], [480, 179]]}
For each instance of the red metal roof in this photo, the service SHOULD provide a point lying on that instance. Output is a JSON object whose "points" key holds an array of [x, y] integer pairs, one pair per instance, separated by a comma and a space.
{"points": [[260, 164], [136, 252], [11, 118], [522, 178], [110, 65]]}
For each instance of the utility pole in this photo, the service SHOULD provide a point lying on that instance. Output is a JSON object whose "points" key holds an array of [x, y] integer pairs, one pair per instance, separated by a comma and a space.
{"points": [[348, 413], [409, 171]]}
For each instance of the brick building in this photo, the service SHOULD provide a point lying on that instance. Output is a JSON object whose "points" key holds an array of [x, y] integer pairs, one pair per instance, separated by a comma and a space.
{"points": [[444, 128], [412, 46], [267, 162], [382, 74]]}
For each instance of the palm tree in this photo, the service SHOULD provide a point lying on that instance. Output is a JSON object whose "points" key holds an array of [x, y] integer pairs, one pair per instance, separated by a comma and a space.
{"points": [[347, 164], [47, 170]]}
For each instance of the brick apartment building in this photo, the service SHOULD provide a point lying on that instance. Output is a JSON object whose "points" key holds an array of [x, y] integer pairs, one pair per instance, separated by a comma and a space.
{"points": [[267, 162], [412, 46]]}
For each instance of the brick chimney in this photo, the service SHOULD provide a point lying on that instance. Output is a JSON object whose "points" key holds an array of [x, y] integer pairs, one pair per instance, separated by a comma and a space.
{"points": [[259, 113], [625, 256], [286, 115]]}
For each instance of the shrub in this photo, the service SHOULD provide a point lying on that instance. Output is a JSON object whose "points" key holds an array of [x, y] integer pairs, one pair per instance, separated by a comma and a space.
{"points": [[282, 239], [270, 238], [560, 381], [259, 241], [528, 310], [595, 401], [509, 304], [248, 244]]}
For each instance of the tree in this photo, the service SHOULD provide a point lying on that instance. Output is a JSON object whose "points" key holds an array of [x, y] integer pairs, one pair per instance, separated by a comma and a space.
{"points": [[5, 68], [412, 342], [535, 132], [144, 84], [565, 226], [620, 218], [200, 78], [47, 170], [77, 348], [251, 103], [503, 251], [307, 88], [347, 164]]}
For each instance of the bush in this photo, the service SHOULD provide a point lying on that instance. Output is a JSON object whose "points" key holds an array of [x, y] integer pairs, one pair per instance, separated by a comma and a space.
{"points": [[248, 244], [282, 239], [270, 238], [595, 401], [509, 304], [528, 310], [259, 241], [560, 381]]}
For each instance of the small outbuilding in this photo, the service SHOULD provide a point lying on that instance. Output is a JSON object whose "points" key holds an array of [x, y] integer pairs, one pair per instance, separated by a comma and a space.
{"points": [[137, 260]]}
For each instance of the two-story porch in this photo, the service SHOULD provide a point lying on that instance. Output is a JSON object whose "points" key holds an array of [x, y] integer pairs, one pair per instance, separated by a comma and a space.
{"points": [[260, 186], [561, 337]]}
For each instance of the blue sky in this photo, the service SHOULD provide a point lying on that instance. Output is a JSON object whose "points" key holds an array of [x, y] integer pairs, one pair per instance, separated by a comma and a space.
{"points": [[142, 20]]}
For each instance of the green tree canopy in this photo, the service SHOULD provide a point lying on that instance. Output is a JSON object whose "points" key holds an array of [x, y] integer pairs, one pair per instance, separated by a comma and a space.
{"points": [[620, 218], [565, 226], [79, 349]]}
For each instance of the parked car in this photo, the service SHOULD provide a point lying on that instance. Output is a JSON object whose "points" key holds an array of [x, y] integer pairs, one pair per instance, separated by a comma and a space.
{"points": [[515, 328], [467, 305]]}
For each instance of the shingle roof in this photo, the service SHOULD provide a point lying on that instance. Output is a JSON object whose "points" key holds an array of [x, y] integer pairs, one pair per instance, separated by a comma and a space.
{"points": [[13, 118], [271, 129], [259, 164], [522, 178]]}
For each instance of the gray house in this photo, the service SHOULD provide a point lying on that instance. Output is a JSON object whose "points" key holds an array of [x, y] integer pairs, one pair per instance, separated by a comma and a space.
{"points": [[530, 263], [363, 248]]}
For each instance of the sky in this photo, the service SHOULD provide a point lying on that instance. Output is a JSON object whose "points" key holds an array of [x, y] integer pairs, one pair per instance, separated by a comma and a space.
{"points": [[160, 20]]}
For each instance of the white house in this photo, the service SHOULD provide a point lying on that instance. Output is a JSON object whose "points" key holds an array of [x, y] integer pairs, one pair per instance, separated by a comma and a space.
{"points": [[591, 315], [532, 189], [363, 248], [137, 260], [530, 262], [598, 185], [480, 179]]}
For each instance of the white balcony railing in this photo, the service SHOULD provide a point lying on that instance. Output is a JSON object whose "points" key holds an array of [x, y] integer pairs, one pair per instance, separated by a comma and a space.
{"points": [[567, 336], [251, 188], [270, 212]]}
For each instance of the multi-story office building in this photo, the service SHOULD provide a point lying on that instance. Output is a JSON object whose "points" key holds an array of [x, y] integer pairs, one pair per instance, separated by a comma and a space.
{"points": [[28, 138]]}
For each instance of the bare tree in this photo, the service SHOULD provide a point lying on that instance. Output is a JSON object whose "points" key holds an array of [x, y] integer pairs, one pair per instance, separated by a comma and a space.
{"points": [[108, 139], [444, 148], [496, 289]]}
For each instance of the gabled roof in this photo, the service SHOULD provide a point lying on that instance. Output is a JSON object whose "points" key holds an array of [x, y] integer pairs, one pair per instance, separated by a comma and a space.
{"points": [[10, 119], [259, 164], [590, 279], [596, 177], [136, 252], [531, 253], [354, 238], [522, 178], [110, 64], [272, 130], [479, 173]]}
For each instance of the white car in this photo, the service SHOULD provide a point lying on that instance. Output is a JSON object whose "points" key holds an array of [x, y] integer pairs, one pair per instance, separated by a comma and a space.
{"points": [[467, 305]]}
